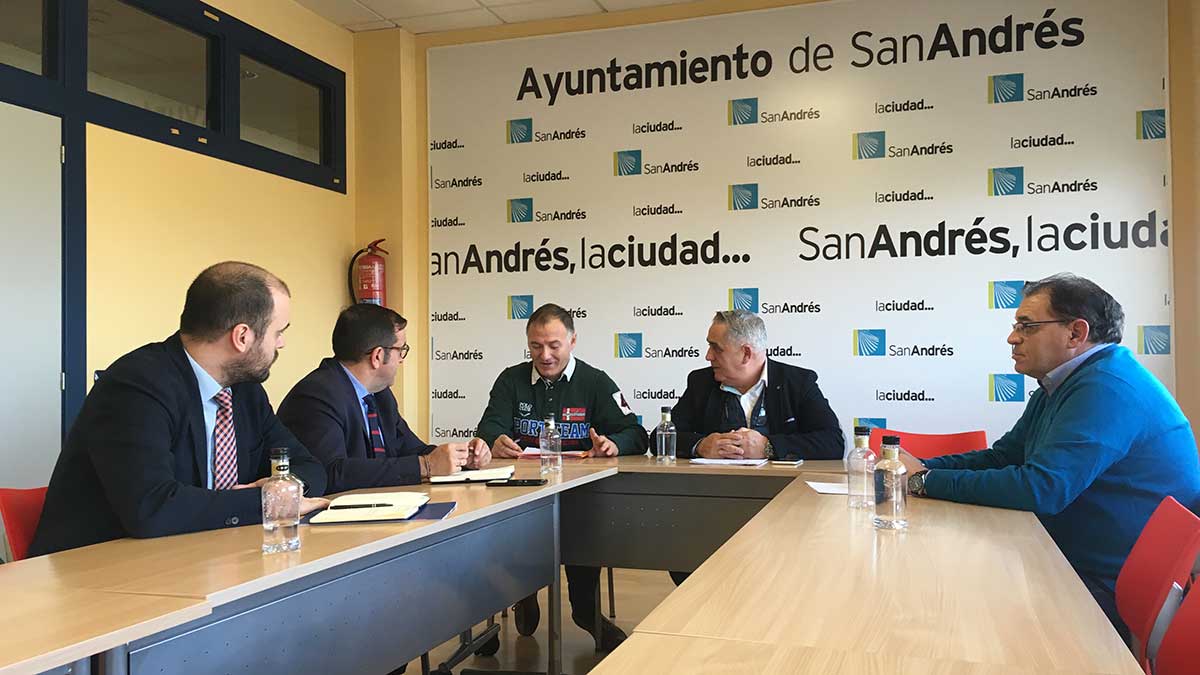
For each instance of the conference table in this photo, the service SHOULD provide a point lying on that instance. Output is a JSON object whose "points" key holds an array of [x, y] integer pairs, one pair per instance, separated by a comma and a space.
{"points": [[785, 580]]}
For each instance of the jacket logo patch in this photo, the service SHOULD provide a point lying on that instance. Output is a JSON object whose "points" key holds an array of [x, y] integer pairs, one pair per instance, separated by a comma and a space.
{"points": [[525, 408], [574, 414]]}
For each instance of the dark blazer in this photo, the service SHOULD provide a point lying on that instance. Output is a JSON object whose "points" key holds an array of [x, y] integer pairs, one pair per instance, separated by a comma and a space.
{"points": [[136, 460], [325, 414], [799, 420]]}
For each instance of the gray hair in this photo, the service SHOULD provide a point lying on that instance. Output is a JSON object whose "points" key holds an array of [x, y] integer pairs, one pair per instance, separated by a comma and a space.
{"points": [[743, 328]]}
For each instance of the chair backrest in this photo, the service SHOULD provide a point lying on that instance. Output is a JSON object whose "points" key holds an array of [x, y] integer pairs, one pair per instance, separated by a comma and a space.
{"points": [[1162, 555], [927, 446], [21, 510], [1179, 653]]}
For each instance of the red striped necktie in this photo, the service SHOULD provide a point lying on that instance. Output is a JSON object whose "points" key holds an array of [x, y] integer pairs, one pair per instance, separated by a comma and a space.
{"points": [[225, 464], [378, 448]]}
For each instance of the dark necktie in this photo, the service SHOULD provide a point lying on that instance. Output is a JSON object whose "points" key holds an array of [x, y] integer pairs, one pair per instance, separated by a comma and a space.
{"points": [[378, 449]]}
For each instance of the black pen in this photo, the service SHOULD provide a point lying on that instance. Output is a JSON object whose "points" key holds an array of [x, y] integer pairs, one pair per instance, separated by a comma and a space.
{"points": [[357, 506]]}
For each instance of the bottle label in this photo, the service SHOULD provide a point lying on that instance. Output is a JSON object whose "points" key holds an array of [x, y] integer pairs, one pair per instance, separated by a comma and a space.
{"points": [[279, 466]]}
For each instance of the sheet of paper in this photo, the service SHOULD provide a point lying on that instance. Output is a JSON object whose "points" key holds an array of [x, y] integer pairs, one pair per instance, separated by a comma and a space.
{"points": [[536, 453], [476, 476], [828, 488], [730, 462]]}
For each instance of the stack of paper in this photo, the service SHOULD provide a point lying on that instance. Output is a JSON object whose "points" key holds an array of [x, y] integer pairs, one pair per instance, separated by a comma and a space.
{"points": [[730, 462], [477, 476], [375, 506], [535, 453]]}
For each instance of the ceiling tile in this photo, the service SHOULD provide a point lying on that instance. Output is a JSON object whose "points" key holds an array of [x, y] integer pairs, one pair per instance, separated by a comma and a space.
{"points": [[619, 5], [472, 18], [341, 12], [403, 9], [370, 25], [545, 9]]}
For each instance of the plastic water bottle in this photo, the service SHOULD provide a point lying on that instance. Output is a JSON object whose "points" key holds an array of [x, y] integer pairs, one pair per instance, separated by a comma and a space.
{"points": [[281, 506], [860, 471], [891, 488], [550, 446], [664, 451]]}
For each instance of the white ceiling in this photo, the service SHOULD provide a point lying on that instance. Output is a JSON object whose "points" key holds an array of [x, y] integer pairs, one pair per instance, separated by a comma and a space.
{"points": [[429, 16]]}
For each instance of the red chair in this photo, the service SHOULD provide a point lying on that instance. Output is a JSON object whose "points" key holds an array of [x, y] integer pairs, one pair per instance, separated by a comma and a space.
{"points": [[928, 446], [21, 510], [1180, 650], [1162, 555]]}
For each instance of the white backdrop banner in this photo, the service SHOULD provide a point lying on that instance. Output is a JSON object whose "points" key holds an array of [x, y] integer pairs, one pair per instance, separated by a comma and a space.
{"points": [[875, 178]]}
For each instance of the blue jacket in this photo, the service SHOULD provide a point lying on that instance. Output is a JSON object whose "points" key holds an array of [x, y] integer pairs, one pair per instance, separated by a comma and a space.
{"points": [[1092, 460], [325, 414]]}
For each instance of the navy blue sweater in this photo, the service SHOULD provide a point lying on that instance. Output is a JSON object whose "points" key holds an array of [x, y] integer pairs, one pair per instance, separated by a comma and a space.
{"points": [[1092, 460]]}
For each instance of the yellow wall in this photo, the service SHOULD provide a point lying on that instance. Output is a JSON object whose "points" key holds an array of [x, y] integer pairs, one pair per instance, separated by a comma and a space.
{"points": [[388, 197], [1184, 21], [157, 215], [1183, 118]]}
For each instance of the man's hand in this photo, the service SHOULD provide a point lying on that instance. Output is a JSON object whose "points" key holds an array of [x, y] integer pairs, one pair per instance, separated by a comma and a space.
{"points": [[602, 446], [720, 446], [752, 443], [506, 448], [310, 504], [447, 458], [479, 455], [256, 484], [911, 463]]}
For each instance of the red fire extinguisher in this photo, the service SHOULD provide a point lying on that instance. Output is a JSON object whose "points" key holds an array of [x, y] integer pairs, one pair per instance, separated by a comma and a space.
{"points": [[367, 275]]}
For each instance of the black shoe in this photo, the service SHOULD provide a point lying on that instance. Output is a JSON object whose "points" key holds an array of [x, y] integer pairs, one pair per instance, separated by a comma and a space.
{"points": [[526, 615], [611, 635]]}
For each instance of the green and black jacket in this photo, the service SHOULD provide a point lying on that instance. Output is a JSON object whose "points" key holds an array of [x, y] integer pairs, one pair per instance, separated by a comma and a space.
{"points": [[583, 398]]}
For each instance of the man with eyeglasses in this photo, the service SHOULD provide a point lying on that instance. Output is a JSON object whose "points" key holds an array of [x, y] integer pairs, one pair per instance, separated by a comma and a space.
{"points": [[1099, 445], [346, 414]]}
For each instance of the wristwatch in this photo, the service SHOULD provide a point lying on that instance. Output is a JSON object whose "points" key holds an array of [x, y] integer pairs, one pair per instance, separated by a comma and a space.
{"points": [[916, 483], [769, 450]]}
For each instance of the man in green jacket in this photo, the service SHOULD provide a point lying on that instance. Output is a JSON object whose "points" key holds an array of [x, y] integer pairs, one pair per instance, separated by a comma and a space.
{"points": [[591, 414]]}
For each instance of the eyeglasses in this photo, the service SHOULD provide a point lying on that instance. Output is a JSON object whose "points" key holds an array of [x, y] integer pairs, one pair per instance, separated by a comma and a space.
{"points": [[403, 349], [1029, 327]]}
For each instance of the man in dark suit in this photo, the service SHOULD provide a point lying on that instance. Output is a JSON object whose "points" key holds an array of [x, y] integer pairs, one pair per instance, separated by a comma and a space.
{"points": [[346, 414], [746, 406], [176, 436]]}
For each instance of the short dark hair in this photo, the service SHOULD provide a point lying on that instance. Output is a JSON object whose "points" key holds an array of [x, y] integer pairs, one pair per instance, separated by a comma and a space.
{"points": [[550, 312], [227, 294], [363, 327], [1074, 297]]}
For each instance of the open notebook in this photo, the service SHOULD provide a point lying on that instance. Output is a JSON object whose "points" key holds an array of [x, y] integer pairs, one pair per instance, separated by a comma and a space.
{"points": [[476, 476], [375, 506]]}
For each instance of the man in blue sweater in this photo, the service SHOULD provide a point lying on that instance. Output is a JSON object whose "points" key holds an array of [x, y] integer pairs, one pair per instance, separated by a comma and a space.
{"points": [[1100, 444]]}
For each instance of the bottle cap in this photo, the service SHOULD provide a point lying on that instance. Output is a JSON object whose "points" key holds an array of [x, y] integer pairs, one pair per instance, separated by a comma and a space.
{"points": [[891, 440], [862, 431], [666, 409], [279, 453]]}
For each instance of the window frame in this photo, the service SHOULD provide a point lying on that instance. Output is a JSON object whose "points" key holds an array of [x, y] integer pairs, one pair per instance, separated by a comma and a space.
{"points": [[62, 91]]}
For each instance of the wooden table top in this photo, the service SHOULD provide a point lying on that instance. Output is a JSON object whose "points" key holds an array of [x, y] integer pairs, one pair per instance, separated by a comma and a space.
{"points": [[227, 564], [963, 584], [685, 655], [46, 628], [647, 464]]}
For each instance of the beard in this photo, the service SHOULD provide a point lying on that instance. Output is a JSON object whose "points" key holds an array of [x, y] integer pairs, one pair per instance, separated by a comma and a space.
{"points": [[254, 367]]}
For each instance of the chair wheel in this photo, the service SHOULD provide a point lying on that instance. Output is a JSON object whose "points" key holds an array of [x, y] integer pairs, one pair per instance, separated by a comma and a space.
{"points": [[490, 647]]}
